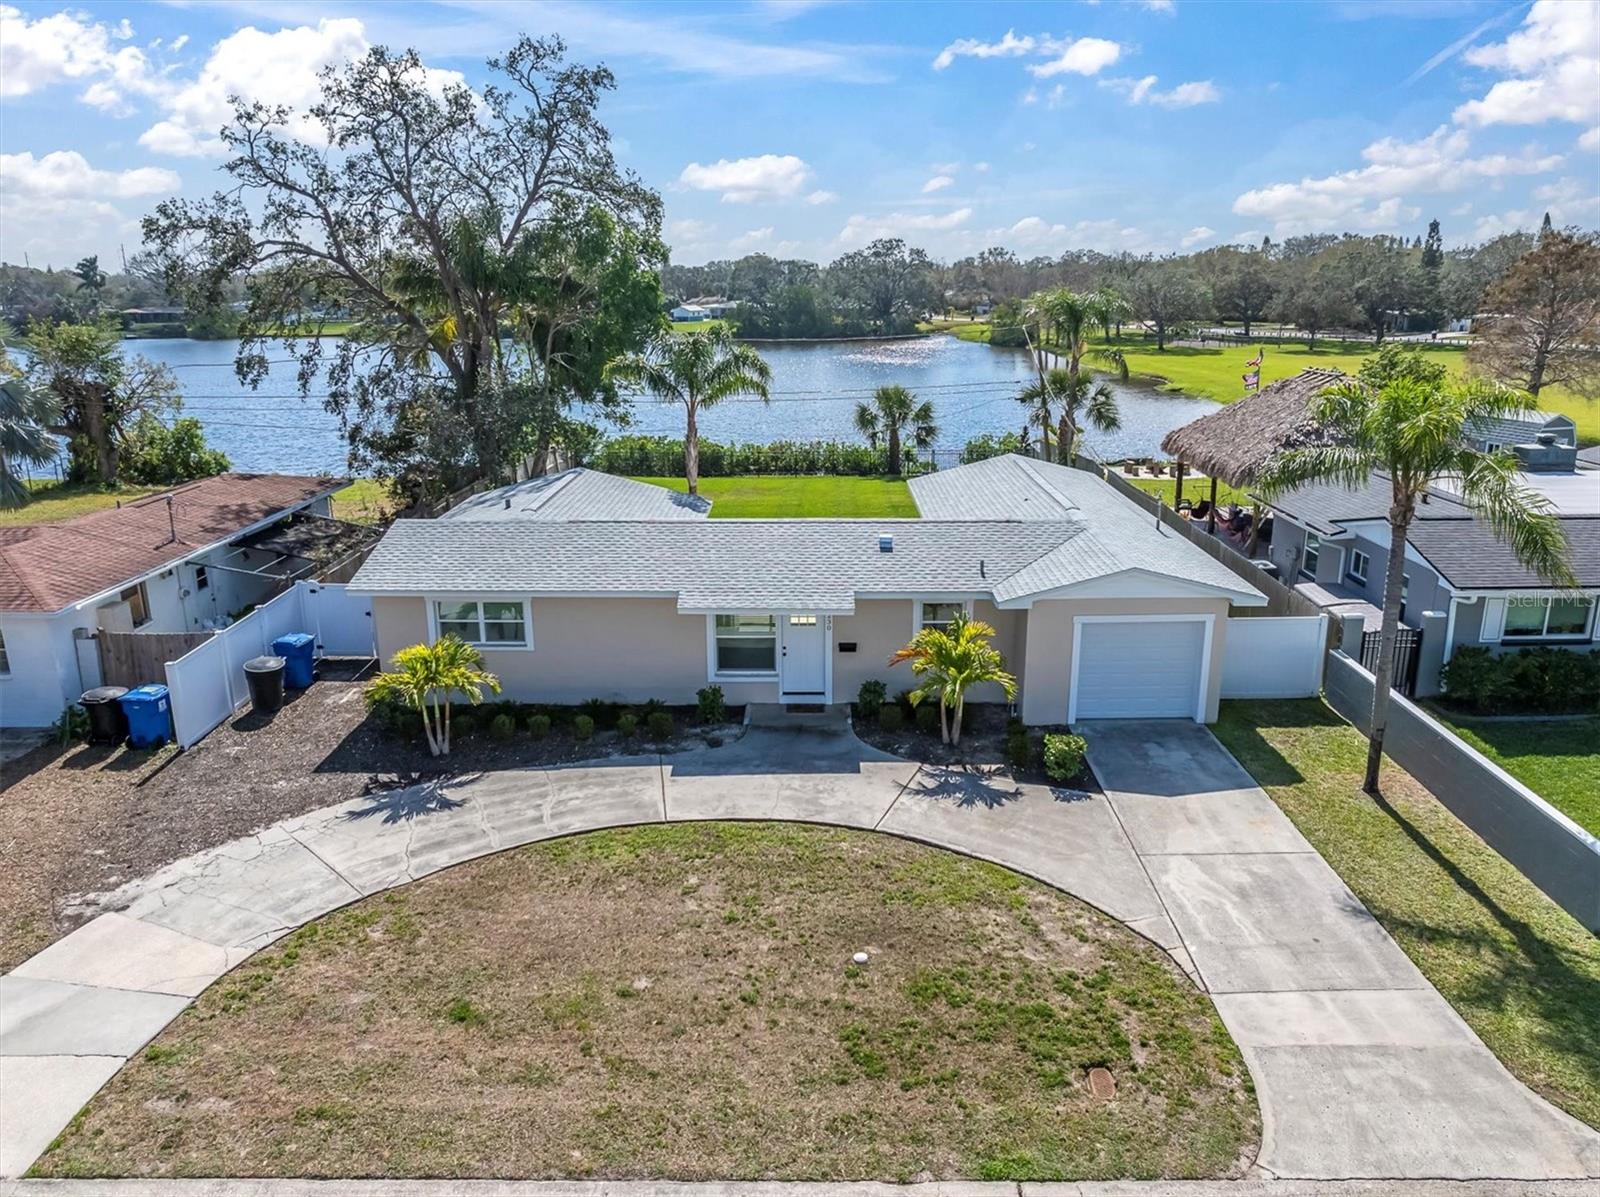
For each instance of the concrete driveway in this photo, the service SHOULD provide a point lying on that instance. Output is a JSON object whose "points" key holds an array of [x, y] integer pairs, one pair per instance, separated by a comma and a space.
{"points": [[1362, 1069]]}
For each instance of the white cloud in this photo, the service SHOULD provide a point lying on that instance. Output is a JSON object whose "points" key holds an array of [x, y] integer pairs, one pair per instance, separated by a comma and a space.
{"points": [[937, 183], [983, 167], [689, 232], [762, 240], [1554, 61], [747, 180], [1158, 5], [1033, 231], [67, 175], [1589, 139], [860, 229], [946, 168], [1010, 46], [67, 48], [1196, 235], [822, 197], [179, 42], [1372, 196], [1085, 56], [1185, 95], [273, 68]]}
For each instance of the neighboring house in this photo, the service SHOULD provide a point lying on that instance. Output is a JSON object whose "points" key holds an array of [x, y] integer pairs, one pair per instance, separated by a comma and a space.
{"points": [[581, 494], [1589, 459], [1099, 612], [185, 560], [1525, 429], [690, 313], [1332, 544]]}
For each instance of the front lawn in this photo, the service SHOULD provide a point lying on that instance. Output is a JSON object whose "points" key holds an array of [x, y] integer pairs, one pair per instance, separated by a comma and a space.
{"points": [[679, 1002], [1522, 972], [813, 497], [1558, 759]]}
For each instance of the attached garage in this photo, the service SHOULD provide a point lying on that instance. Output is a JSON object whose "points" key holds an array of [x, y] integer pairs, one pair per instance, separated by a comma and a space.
{"points": [[1153, 667]]}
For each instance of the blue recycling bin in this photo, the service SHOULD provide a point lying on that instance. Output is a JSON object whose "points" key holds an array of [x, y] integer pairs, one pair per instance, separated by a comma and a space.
{"points": [[149, 715], [299, 653]]}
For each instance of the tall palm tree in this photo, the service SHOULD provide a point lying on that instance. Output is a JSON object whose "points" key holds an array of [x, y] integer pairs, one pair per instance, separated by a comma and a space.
{"points": [[893, 414], [1404, 421], [949, 661], [26, 416], [1079, 400], [1072, 314], [424, 678], [1108, 307], [697, 369]]}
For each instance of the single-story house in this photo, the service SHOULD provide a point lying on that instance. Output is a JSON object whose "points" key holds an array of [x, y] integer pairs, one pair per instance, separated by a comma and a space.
{"points": [[1099, 611], [186, 560], [581, 494], [690, 313], [1525, 428]]}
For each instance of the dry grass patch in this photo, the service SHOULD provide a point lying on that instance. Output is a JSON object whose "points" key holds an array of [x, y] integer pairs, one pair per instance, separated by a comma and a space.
{"points": [[680, 1002]]}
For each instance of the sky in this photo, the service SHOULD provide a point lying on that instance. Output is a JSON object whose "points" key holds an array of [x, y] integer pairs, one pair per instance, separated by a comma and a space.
{"points": [[806, 128]]}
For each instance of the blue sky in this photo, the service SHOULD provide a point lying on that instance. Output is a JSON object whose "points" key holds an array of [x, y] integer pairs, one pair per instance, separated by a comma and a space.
{"points": [[808, 128]]}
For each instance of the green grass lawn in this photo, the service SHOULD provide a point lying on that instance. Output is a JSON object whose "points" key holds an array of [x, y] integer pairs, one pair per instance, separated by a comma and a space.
{"points": [[1522, 972], [696, 325], [1194, 489], [1558, 759], [364, 501], [768, 496], [679, 1003]]}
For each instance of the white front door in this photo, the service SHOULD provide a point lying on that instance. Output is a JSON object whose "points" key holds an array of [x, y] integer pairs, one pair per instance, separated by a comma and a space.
{"points": [[804, 668]]}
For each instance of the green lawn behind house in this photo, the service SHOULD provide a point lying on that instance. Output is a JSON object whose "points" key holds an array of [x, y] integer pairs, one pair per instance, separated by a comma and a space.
{"points": [[1558, 759], [1522, 972], [1194, 489], [696, 325], [769, 496]]}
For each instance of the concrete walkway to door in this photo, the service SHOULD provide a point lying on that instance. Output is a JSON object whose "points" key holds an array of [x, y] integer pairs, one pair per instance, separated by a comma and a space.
{"points": [[1362, 1069]]}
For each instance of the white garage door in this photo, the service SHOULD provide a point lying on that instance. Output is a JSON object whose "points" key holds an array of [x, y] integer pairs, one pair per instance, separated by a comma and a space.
{"points": [[1139, 669]]}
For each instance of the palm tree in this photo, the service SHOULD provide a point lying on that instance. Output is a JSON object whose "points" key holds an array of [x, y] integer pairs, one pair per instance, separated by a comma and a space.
{"points": [[1108, 307], [1405, 421], [26, 416], [895, 413], [1071, 314], [697, 369], [1079, 400], [949, 661], [424, 678]]}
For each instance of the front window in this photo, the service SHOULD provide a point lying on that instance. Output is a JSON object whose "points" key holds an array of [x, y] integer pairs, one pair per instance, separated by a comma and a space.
{"points": [[5, 661], [1537, 618], [488, 623], [938, 615], [138, 600], [1358, 566], [747, 643], [1405, 593], [1313, 551]]}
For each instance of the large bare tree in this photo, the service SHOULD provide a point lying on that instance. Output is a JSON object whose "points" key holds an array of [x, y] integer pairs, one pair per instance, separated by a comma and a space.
{"points": [[1545, 324]]}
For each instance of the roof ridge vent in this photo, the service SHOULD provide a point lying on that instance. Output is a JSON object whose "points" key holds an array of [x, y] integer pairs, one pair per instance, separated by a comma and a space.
{"points": [[1044, 484]]}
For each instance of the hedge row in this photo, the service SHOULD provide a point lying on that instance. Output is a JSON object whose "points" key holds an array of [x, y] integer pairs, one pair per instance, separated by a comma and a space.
{"points": [[662, 457], [1543, 680]]}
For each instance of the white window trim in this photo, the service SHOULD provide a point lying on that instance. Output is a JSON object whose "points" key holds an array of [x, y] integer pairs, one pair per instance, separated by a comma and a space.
{"points": [[916, 607], [524, 645], [1078, 621], [1545, 637], [5, 656], [1366, 566], [1308, 569], [744, 675]]}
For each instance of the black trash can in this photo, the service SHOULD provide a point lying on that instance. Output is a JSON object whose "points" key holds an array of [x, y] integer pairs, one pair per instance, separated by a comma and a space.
{"points": [[265, 675], [107, 723]]}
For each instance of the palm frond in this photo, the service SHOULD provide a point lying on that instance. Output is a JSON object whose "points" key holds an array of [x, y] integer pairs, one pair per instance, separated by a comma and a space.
{"points": [[1519, 516]]}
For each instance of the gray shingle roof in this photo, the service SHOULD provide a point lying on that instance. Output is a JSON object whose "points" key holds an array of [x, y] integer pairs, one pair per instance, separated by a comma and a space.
{"points": [[1522, 429], [711, 565], [581, 494]]}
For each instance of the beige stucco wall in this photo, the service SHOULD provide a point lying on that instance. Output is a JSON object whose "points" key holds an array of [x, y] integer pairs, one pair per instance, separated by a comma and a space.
{"points": [[882, 626], [398, 623], [1048, 648]]}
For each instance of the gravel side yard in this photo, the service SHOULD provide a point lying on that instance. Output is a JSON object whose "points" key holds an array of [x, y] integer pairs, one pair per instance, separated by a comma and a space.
{"points": [[680, 1002], [83, 819]]}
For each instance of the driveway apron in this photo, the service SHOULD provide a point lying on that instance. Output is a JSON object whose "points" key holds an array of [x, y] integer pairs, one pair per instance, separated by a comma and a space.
{"points": [[1361, 1067]]}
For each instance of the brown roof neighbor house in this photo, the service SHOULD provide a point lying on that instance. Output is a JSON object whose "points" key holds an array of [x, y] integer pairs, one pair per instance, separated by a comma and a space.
{"points": [[169, 562]]}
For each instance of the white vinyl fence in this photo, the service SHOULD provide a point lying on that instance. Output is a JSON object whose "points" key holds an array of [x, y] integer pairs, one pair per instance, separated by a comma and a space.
{"points": [[1274, 656], [208, 684]]}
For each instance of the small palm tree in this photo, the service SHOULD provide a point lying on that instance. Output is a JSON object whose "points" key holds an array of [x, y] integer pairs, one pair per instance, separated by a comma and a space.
{"points": [[895, 413], [949, 661], [1078, 399], [1403, 418], [697, 369], [424, 678], [1108, 307], [1071, 314], [26, 416]]}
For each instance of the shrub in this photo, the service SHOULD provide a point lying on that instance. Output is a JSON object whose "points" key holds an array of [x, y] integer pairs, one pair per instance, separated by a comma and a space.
{"points": [[660, 725], [600, 713], [627, 725], [1063, 756], [463, 725], [1019, 748], [870, 698], [710, 706], [583, 727], [928, 717], [161, 455], [539, 726], [502, 727], [891, 719], [650, 706], [1473, 678], [1540, 679]]}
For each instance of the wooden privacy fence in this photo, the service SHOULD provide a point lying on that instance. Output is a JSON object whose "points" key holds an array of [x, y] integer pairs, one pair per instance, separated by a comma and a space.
{"points": [[138, 658]]}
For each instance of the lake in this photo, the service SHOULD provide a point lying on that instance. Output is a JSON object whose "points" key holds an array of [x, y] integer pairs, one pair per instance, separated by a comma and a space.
{"points": [[815, 389]]}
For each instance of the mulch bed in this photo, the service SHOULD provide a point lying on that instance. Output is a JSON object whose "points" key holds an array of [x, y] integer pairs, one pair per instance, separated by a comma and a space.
{"points": [[983, 743], [82, 819]]}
